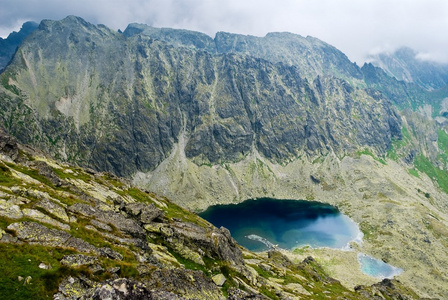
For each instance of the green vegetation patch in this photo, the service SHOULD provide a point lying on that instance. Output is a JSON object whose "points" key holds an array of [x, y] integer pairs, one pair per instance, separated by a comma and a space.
{"points": [[139, 195], [397, 144], [175, 211], [92, 237], [24, 260], [112, 180], [370, 231], [261, 272], [414, 172], [301, 250], [32, 173], [442, 142], [424, 165], [72, 175], [367, 151], [6, 177], [188, 264], [5, 83]]}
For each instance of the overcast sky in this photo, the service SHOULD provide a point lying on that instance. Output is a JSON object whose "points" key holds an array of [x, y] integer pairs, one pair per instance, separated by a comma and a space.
{"points": [[357, 27]]}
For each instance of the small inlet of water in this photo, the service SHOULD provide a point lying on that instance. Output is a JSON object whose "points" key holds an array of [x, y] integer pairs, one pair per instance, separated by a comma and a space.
{"points": [[377, 268]]}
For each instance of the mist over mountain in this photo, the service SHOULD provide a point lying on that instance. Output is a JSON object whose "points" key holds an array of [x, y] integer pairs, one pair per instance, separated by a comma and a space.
{"points": [[406, 65]]}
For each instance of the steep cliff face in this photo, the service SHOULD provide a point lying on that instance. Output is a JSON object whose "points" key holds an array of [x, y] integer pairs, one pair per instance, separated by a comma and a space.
{"points": [[121, 101]]}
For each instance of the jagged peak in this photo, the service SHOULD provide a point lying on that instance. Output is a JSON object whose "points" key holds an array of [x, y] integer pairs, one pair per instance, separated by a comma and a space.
{"points": [[73, 23], [148, 29], [27, 28]]}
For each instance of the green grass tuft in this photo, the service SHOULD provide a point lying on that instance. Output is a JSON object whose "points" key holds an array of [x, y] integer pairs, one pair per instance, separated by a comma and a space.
{"points": [[424, 165], [6, 177], [366, 151], [414, 172], [24, 260]]}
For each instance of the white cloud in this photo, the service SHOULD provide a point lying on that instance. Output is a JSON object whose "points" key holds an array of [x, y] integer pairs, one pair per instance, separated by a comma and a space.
{"points": [[356, 27]]}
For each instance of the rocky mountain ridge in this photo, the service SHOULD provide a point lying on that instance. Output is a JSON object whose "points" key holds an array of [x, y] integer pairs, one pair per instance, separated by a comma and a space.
{"points": [[232, 105], [311, 56]]}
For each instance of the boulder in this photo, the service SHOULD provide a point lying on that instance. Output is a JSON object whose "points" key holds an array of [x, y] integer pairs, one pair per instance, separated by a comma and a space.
{"points": [[226, 247], [38, 216], [219, 279], [121, 289], [237, 294], [35, 233], [113, 270], [72, 288], [45, 170], [100, 225], [54, 209], [80, 245], [10, 210], [211, 242], [108, 217], [76, 260], [149, 213], [134, 209], [44, 266], [27, 280], [187, 283], [107, 252], [8, 145]]}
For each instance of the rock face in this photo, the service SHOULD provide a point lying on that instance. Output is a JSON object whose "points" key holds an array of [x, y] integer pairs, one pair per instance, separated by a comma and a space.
{"points": [[127, 116], [8, 145]]}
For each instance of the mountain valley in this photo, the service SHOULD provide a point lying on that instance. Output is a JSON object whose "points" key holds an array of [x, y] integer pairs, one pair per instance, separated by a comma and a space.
{"points": [[204, 121]]}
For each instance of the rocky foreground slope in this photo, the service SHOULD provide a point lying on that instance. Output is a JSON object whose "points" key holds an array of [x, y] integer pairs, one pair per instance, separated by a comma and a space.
{"points": [[70, 233]]}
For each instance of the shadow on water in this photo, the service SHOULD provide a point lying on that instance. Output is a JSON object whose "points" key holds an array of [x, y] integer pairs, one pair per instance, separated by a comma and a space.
{"points": [[259, 224]]}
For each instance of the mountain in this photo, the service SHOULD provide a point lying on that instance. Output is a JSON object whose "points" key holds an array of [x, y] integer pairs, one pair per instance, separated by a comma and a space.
{"points": [[206, 121], [9, 45], [225, 106], [404, 64], [70, 233]]}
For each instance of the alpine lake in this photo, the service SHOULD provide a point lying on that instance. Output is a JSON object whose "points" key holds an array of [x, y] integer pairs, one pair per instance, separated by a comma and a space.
{"points": [[265, 223]]}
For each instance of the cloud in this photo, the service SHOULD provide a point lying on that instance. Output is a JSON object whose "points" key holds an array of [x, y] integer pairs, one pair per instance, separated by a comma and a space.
{"points": [[355, 27]]}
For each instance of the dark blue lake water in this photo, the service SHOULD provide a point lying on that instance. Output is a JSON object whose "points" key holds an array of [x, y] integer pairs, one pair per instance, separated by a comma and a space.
{"points": [[258, 224]]}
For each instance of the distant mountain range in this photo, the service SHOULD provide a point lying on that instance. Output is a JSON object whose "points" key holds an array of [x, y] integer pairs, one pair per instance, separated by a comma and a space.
{"points": [[404, 64]]}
